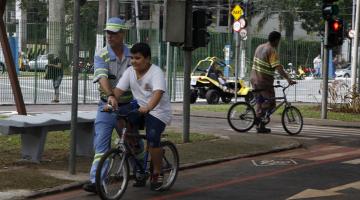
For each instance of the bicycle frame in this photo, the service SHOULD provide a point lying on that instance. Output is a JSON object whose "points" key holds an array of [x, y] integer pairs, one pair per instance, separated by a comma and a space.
{"points": [[125, 147], [283, 98]]}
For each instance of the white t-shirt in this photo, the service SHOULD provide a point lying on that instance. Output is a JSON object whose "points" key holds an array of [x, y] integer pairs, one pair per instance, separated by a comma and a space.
{"points": [[143, 88]]}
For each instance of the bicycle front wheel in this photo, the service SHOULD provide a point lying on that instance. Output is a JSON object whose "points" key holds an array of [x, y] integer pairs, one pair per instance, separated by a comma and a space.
{"points": [[241, 117], [170, 164], [112, 175], [292, 120]]}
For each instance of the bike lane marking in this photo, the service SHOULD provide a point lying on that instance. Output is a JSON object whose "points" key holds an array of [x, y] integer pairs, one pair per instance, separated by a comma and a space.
{"points": [[250, 178]]}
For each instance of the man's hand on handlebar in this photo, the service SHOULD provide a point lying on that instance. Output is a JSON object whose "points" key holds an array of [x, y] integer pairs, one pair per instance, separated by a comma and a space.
{"points": [[113, 102]]}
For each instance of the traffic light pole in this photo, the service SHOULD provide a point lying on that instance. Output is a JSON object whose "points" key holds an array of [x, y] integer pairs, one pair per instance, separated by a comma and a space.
{"points": [[354, 52], [325, 74], [187, 71]]}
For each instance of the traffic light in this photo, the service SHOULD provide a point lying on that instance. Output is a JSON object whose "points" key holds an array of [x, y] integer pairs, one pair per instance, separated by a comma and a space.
{"points": [[329, 10], [201, 20], [336, 32]]}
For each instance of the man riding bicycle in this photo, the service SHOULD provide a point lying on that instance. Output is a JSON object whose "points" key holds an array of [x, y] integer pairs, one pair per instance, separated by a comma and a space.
{"points": [[266, 61]]}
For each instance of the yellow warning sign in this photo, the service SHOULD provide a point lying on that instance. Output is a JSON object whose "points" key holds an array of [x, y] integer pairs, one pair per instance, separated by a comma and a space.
{"points": [[237, 12]]}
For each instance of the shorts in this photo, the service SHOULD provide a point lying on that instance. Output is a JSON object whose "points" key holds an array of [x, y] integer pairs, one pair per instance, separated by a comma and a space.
{"points": [[154, 127]]}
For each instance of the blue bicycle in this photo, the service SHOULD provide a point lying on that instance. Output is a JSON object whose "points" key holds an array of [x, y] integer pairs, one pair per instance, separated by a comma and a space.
{"points": [[114, 169], [241, 115]]}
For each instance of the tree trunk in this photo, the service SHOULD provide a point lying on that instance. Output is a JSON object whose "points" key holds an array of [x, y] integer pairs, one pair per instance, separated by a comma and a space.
{"points": [[100, 25], [114, 9], [56, 36]]}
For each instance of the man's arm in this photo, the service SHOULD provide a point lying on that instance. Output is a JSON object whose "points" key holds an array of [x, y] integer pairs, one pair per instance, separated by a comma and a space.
{"points": [[155, 99], [282, 72]]}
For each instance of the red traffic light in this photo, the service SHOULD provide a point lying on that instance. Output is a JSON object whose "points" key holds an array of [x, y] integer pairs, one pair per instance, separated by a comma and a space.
{"points": [[336, 25]]}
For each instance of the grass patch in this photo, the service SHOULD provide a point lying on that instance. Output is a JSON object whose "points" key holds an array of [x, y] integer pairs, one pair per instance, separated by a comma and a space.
{"points": [[58, 144], [308, 111], [27, 178], [213, 108], [24, 175]]}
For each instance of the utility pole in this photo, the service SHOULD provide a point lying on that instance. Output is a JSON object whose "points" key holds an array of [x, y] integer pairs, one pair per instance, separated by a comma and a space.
{"points": [[187, 71], [137, 20], [325, 72], [74, 103], [354, 52]]}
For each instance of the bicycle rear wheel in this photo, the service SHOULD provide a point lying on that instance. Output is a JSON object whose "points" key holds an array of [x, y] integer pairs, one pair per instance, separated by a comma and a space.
{"points": [[292, 120], [112, 175], [170, 164], [241, 117]]}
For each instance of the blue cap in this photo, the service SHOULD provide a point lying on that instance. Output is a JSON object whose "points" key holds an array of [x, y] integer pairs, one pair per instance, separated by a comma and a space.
{"points": [[115, 24]]}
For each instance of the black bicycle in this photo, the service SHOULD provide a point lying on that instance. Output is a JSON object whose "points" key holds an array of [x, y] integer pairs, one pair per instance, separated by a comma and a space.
{"points": [[113, 171], [241, 115]]}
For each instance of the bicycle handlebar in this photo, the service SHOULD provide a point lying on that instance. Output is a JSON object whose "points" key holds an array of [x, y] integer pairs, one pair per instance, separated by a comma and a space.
{"points": [[109, 108]]}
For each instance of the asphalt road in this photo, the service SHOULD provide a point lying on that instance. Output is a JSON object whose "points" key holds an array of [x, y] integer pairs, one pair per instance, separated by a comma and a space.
{"points": [[326, 168]]}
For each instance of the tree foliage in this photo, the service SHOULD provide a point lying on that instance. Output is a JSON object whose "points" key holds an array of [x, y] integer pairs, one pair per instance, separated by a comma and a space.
{"points": [[308, 12]]}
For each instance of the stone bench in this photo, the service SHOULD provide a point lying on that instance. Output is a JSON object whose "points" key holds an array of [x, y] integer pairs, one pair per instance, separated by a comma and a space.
{"points": [[34, 128]]}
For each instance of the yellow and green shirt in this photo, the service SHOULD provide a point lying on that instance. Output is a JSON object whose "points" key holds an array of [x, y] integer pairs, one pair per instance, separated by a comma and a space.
{"points": [[266, 59]]}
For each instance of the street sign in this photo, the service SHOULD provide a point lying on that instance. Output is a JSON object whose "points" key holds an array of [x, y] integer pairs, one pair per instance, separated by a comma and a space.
{"points": [[237, 12], [351, 34], [243, 23], [243, 33], [236, 26]]}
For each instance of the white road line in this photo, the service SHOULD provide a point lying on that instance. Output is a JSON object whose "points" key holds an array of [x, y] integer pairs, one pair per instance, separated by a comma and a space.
{"points": [[334, 155], [353, 162]]}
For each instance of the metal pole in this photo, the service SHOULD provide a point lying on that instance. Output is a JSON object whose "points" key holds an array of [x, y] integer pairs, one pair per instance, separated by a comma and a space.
{"points": [[137, 21], [187, 71], [354, 52], [325, 66], [108, 9], [175, 53], [74, 104], [168, 80], [237, 52]]}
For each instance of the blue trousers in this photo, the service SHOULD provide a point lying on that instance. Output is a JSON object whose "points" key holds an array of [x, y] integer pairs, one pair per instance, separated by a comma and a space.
{"points": [[104, 124]]}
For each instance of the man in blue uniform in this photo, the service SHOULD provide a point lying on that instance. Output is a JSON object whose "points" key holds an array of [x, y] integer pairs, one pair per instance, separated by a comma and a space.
{"points": [[109, 65]]}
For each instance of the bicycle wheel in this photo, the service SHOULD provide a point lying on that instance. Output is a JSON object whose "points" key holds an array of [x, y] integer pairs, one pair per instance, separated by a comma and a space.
{"points": [[241, 117], [292, 120], [112, 175], [170, 164]]}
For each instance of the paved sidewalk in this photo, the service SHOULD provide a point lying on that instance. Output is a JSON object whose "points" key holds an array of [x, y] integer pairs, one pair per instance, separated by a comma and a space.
{"points": [[268, 143]]}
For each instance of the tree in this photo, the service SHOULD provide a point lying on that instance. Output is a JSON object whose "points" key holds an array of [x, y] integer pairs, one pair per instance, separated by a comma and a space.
{"points": [[286, 10], [310, 13]]}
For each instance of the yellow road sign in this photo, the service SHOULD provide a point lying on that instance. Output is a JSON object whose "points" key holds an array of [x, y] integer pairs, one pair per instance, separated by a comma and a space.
{"points": [[237, 12]]}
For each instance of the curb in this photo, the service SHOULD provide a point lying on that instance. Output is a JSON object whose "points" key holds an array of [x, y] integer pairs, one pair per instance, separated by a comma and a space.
{"points": [[77, 185]]}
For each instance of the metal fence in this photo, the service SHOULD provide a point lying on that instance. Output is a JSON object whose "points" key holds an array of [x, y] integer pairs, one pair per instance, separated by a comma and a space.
{"points": [[42, 39]]}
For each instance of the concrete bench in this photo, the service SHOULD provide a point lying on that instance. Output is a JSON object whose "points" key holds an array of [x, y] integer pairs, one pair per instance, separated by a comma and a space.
{"points": [[34, 128]]}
